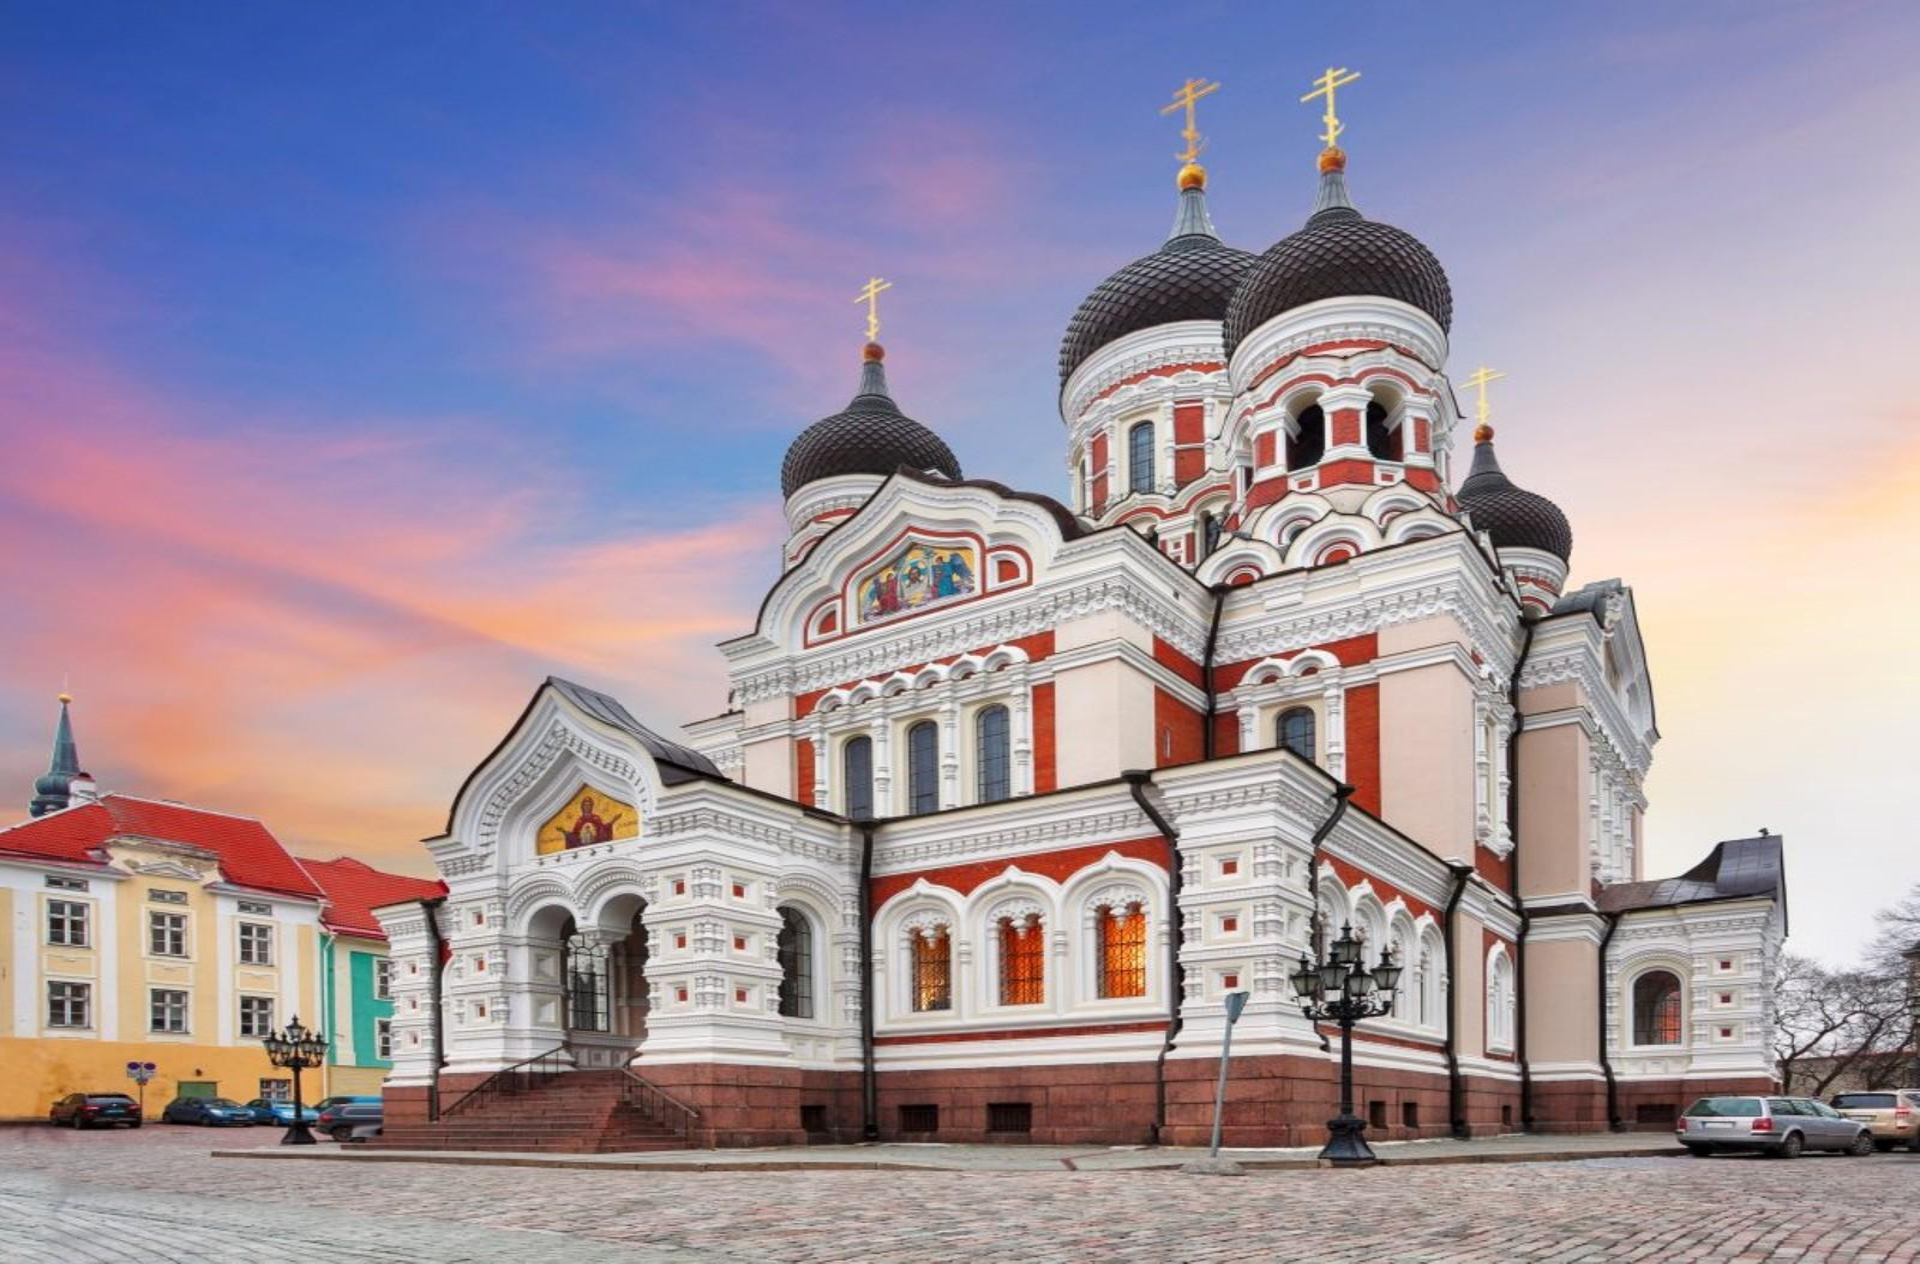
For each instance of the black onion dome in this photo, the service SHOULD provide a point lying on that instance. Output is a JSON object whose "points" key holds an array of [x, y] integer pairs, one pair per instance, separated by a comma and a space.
{"points": [[1512, 516], [1192, 277], [1339, 252], [870, 436]]}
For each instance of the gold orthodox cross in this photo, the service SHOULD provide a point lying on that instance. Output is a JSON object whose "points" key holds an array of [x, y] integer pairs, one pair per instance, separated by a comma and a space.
{"points": [[1324, 87], [1478, 382], [871, 297], [1189, 95]]}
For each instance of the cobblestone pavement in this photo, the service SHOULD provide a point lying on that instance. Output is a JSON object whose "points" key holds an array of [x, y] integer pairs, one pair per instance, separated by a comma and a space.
{"points": [[157, 1195]]}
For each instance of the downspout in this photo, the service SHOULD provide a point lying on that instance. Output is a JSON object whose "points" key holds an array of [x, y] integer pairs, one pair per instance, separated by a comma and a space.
{"points": [[1456, 1088], [327, 1014], [869, 1077], [1317, 936], [1614, 1122], [1207, 744], [431, 909], [1137, 781], [1526, 922]]}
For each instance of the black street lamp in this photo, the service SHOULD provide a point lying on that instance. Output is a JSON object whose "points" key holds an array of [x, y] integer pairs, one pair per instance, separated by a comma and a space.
{"points": [[297, 1050], [1341, 989]]}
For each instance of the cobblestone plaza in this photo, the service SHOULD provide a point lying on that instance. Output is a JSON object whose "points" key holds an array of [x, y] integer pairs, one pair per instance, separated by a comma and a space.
{"points": [[158, 1195]]}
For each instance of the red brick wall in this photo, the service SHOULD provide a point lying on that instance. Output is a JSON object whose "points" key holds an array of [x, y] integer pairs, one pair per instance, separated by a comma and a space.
{"points": [[1046, 774], [1179, 732], [1176, 662], [1189, 427], [1263, 447], [1363, 746], [1058, 865], [1099, 473], [803, 771], [1343, 426], [1334, 473], [1349, 651]]}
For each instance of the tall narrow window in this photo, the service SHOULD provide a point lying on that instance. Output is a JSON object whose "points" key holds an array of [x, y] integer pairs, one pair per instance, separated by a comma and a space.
{"points": [[1140, 457], [167, 934], [168, 1011], [923, 768], [1656, 1009], [256, 1016], [1382, 444], [256, 944], [1294, 731], [1308, 442], [67, 923], [993, 754], [932, 970], [1023, 960], [69, 1005], [856, 762], [796, 964], [1122, 934]]}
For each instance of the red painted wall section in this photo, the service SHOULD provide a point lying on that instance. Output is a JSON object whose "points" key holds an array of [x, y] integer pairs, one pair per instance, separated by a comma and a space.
{"points": [[1176, 662], [1263, 448], [1495, 869], [1099, 473], [803, 771], [1351, 651], [1036, 647], [1226, 735], [1363, 746], [1046, 768], [1353, 875], [1425, 480], [1265, 492], [1422, 435], [1345, 426], [1058, 865], [1335, 473], [1189, 427], [1179, 732]]}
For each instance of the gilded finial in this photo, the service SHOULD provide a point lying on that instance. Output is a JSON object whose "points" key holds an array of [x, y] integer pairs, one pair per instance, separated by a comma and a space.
{"points": [[1192, 174], [871, 297], [65, 698], [1324, 86], [1482, 410]]}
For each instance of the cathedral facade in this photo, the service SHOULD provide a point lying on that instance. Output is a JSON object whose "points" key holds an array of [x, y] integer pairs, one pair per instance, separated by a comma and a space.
{"points": [[1013, 793]]}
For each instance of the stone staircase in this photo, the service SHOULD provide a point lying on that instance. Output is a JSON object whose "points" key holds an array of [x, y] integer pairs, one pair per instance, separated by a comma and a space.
{"points": [[578, 1112]]}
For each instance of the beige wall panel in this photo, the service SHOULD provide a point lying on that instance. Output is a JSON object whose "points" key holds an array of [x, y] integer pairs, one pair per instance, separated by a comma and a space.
{"points": [[1104, 722], [1426, 757], [1420, 634], [1563, 998], [768, 765], [1553, 812]]}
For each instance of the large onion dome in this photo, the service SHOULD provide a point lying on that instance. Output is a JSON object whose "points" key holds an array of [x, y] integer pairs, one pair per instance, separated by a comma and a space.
{"points": [[1338, 253], [1512, 516], [869, 436], [1191, 277]]}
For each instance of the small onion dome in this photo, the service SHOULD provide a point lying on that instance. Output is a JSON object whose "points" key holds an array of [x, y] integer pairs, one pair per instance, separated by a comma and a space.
{"points": [[1189, 278], [1513, 517], [870, 436], [1338, 253]]}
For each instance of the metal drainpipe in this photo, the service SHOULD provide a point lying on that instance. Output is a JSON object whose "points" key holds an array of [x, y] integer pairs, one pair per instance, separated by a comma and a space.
{"points": [[1456, 1088], [1207, 744], [1317, 934], [869, 1076], [430, 908], [328, 1014], [1526, 922], [1137, 781], [1614, 1122]]}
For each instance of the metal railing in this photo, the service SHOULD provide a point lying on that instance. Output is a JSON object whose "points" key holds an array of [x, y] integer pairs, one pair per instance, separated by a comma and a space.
{"points": [[521, 1077], [657, 1104]]}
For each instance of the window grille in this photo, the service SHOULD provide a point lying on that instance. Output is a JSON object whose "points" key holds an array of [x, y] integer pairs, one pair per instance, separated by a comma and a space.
{"points": [[69, 1005], [1123, 951], [932, 971], [1023, 961], [1009, 1116], [167, 934], [857, 762], [920, 1119], [1656, 1009], [1140, 457], [67, 923], [256, 1016], [795, 949], [256, 944], [168, 1011], [1294, 731], [923, 768], [993, 755], [587, 990]]}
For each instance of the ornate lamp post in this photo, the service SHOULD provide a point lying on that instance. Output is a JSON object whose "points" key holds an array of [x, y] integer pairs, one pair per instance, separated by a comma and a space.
{"points": [[1340, 989], [297, 1049]]}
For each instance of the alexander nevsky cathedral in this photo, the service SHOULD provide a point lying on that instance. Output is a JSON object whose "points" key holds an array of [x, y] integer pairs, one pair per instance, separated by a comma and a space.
{"points": [[1014, 792]]}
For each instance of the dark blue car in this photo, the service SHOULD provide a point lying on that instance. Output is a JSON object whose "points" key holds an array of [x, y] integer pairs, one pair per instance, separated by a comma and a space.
{"points": [[207, 1111], [268, 1112]]}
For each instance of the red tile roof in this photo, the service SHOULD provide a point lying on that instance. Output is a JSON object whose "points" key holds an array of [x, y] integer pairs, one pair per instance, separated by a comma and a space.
{"points": [[354, 890], [249, 855]]}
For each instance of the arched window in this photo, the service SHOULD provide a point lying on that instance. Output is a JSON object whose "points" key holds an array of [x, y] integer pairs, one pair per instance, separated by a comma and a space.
{"points": [[586, 969], [1433, 979], [932, 980], [856, 761], [1122, 936], [923, 768], [993, 755], [1656, 1009], [1382, 444], [1500, 1002], [1294, 731], [795, 945], [1308, 443], [1406, 999], [1140, 457], [1023, 960]]}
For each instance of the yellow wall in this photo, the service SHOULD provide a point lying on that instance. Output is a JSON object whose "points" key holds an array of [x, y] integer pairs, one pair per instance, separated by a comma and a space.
{"points": [[39, 1071]]}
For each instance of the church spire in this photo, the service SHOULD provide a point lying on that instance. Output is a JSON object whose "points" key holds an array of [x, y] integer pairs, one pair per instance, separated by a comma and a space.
{"points": [[51, 792]]}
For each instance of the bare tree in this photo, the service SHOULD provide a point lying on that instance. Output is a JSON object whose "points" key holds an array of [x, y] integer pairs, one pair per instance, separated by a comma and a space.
{"points": [[1834, 1024]]}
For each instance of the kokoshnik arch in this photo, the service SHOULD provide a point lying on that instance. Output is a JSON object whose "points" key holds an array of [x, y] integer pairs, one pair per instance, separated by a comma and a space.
{"points": [[1015, 792]]}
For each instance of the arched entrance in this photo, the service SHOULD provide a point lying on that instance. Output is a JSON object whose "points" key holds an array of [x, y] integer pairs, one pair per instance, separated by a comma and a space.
{"points": [[603, 972]]}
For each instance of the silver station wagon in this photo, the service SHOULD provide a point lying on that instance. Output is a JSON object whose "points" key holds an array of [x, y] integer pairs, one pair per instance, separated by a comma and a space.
{"points": [[1784, 1127]]}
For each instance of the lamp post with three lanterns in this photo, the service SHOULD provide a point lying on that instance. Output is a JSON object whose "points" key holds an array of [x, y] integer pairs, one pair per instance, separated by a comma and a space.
{"points": [[1341, 989], [297, 1049]]}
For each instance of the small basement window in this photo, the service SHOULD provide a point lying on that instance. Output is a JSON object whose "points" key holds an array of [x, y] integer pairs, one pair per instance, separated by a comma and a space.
{"points": [[1009, 1116], [1410, 1114], [1377, 1115], [920, 1118], [813, 1120]]}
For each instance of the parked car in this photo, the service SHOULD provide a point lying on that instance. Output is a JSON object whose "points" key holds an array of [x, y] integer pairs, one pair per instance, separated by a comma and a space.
{"points": [[272, 1112], [207, 1111], [95, 1110], [1893, 1115], [1780, 1126], [340, 1099], [352, 1121]]}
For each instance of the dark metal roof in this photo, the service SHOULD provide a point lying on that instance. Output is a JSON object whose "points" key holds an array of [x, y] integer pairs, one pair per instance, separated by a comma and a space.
{"points": [[52, 790], [1339, 252], [1512, 516], [1744, 868], [870, 436], [1192, 277], [608, 710]]}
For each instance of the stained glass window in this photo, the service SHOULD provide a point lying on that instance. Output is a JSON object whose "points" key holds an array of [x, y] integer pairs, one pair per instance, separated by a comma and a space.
{"points": [[857, 762], [795, 946], [1122, 934], [923, 768], [932, 970], [1023, 961], [1656, 1009], [993, 755]]}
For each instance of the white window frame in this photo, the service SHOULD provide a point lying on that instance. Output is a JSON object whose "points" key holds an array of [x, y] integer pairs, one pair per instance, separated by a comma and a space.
{"points": [[159, 923], [248, 1031], [76, 912], [258, 942], [80, 996], [383, 978], [383, 1039], [185, 1009]]}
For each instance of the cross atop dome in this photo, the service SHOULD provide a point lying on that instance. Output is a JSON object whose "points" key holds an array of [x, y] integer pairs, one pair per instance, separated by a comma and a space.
{"points": [[1192, 174], [1325, 86]]}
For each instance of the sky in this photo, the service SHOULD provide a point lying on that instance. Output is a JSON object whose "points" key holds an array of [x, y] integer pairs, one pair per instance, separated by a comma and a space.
{"points": [[361, 365]]}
